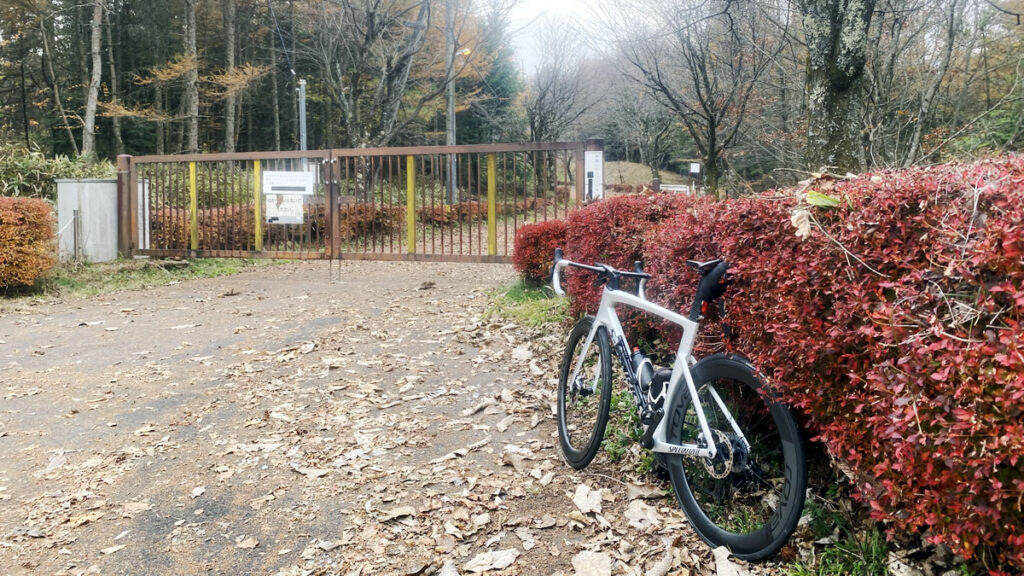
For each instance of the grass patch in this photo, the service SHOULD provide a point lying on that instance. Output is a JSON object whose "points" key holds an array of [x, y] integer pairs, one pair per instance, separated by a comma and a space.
{"points": [[858, 548], [865, 554], [84, 279], [638, 174], [527, 305], [625, 431]]}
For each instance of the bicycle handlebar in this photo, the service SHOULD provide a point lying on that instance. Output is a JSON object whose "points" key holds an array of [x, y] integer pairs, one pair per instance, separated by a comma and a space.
{"points": [[710, 287], [605, 272]]}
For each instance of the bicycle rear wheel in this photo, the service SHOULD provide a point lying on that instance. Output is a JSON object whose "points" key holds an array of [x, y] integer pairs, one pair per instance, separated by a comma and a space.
{"points": [[584, 397], [750, 496]]}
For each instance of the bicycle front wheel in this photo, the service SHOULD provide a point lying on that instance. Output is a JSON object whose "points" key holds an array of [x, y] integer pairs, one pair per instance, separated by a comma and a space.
{"points": [[750, 495], [584, 393]]}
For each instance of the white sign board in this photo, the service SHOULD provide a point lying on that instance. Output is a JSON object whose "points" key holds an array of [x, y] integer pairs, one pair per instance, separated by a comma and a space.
{"points": [[289, 183], [284, 208], [593, 183], [694, 167]]}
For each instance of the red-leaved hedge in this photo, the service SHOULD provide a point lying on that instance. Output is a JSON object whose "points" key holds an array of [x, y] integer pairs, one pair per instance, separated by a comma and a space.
{"points": [[534, 250], [895, 328], [27, 240]]}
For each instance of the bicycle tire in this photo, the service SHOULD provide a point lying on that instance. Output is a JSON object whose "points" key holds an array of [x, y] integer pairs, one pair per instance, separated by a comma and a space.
{"points": [[751, 500], [589, 397]]}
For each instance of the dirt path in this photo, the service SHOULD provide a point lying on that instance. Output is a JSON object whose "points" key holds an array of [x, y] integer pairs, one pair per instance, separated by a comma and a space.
{"points": [[284, 422]]}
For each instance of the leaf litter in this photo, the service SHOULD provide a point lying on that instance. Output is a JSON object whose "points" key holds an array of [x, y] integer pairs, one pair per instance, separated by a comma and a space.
{"points": [[399, 442]]}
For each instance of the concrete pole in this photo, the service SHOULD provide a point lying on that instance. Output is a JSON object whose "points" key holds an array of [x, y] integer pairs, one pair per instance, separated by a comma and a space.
{"points": [[302, 114], [449, 39]]}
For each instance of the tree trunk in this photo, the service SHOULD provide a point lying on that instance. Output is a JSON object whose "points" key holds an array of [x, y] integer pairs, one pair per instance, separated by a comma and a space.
{"points": [[159, 98], [114, 97], [56, 87], [925, 112], [229, 48], [275, 102], [191, 79], [92, 96], [712, 175], [837, 39], [24, 105]]}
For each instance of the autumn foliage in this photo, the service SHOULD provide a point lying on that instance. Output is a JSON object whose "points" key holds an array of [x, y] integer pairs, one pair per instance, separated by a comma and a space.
{"points": [[535, 248], [895, 327], [27, 241]]}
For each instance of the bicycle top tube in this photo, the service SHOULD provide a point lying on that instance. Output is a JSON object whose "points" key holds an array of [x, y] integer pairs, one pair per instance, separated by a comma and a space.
{"points": [[710, 287]]}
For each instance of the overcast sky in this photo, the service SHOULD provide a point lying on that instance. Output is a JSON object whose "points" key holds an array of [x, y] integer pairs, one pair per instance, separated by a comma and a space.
{"points": [[527, 13]]}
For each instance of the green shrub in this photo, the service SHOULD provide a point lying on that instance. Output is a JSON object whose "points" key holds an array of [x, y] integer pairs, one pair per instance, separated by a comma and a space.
{"points": [[30, 174]]}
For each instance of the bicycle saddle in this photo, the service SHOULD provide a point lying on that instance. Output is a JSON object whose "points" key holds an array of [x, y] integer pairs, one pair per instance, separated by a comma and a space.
{"points": [[703, 267]]}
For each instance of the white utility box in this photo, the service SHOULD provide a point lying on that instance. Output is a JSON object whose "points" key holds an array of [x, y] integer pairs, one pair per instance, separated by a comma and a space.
{"points": [[87, 219]]}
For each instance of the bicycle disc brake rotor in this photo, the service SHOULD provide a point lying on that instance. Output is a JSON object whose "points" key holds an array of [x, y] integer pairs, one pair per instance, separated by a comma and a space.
{"points": [[721, 465], [579, 386]]}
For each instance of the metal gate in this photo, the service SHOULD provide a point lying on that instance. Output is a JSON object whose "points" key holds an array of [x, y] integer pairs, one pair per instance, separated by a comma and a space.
{"points": [[453, 203]]}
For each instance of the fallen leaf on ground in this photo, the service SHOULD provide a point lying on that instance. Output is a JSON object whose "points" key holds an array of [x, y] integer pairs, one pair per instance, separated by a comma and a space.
{"points": [[112, 549], [642, 516], [492, 560], [83, 519], [634, 491], [589, 563], [396, 513], [587, 500], [309, 472], [726, 567]]}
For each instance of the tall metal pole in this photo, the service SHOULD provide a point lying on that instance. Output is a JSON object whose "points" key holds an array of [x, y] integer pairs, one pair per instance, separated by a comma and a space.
{"points": [[449, 38], [302, 114]]}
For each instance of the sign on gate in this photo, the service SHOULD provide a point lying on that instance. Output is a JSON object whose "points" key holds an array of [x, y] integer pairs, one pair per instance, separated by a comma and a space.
{"points": [[284, 208], [284, 192], [594, 184]]}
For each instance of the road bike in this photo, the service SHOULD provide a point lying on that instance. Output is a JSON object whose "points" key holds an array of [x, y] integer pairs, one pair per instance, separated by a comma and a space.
{"points": [[734, 452]]}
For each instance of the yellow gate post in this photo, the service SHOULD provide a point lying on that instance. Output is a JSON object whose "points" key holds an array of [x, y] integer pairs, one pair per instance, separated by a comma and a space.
{"points": [[257, 195], [492, 205], [410, 202], [193, 194]]}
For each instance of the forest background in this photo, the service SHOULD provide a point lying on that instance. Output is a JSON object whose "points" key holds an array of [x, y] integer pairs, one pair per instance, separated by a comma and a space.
{"points": [[755, 90]]}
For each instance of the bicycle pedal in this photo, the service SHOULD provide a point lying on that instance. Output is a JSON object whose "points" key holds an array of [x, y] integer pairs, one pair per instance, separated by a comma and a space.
{"points": [[655, 418]]}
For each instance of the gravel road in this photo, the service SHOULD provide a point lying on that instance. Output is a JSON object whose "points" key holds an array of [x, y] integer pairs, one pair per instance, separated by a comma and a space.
{"points": [[351, 418]]}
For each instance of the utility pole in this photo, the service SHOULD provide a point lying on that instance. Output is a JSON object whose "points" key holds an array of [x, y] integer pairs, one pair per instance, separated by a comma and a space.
{"points": [[302, 114], [449, 40]]}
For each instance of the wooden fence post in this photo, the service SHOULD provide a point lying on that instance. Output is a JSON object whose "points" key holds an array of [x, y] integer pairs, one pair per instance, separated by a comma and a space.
{"points": [[124, 206], [257, 198]]}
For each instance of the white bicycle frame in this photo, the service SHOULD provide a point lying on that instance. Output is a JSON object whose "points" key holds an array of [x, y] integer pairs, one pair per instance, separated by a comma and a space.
{"points": [[607, 318]]}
